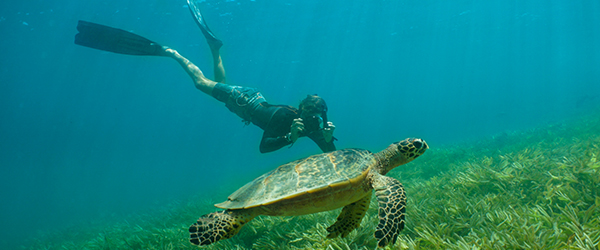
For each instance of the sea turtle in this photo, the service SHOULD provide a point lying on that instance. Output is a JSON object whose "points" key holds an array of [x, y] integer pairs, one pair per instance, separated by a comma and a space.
{"points": [[343, 178]]}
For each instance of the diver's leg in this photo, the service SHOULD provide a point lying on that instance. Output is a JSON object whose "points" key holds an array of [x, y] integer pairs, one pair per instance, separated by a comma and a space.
{"points": [[200, 81], [213, 42], [219, 70]]}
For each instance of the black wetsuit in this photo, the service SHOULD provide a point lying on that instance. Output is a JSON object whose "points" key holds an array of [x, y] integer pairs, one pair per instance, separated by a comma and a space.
{"points": [[275, 120]]}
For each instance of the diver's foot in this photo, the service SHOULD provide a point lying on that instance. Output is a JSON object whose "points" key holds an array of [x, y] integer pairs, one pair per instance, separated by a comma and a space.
{"points": [[213, 41], [166, 51]]}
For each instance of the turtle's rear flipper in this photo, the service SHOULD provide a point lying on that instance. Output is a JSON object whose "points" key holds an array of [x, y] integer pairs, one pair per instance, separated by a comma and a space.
{"points": [[220, 225], [392, 207]]}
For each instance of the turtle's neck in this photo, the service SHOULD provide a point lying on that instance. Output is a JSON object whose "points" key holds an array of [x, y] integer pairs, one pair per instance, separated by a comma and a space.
{"points": [[387, 160]]}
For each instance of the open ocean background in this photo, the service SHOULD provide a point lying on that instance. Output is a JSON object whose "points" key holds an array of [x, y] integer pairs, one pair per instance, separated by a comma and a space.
{"points": [[87, 135]]}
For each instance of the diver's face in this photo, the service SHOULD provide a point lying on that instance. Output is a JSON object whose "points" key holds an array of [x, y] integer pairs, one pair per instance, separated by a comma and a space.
{"points": [[306, 113], [311, 112]]}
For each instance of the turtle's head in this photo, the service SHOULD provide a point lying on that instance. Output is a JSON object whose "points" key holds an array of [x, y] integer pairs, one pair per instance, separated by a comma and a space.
{"points": [[400, 153]]}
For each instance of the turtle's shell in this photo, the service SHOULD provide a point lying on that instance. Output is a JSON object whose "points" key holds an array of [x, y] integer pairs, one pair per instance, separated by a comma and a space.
{"points": [[309, 175]]}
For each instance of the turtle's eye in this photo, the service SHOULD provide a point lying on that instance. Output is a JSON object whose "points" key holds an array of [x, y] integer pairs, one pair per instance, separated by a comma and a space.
{"points": [[417, 143]]}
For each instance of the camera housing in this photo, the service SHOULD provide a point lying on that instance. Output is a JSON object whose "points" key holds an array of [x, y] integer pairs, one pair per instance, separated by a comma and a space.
{"points": [[313, 123]]}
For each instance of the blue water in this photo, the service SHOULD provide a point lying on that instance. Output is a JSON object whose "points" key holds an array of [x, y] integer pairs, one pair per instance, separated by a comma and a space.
{"points": [[87, 135]]}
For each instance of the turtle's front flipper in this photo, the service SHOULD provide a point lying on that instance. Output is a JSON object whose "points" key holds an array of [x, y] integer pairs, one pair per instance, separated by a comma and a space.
{"points": [[350, 218], [220, 225], [392, 207]]}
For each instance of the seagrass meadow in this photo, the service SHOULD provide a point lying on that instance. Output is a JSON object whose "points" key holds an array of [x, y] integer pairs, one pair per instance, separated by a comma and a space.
{"points": [[536, 189]]}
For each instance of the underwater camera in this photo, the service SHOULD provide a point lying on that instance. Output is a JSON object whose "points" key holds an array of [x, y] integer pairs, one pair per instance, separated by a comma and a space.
{"points": [[313, 123]]}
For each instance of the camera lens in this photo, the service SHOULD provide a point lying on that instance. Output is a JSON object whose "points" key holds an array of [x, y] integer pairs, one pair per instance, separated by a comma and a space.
{"points": [[313, 123]]}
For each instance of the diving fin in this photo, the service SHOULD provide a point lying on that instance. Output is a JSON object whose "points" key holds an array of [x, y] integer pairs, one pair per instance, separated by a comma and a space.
{"points": [[110, 39], [212, 40]]}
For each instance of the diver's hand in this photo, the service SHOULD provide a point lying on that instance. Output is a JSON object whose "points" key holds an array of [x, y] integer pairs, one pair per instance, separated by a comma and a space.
{"points": [[328, 132], [296, 130]]}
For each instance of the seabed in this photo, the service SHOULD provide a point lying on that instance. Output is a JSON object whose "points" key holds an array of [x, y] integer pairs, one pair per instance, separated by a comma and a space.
{"points": [[536, 189]]}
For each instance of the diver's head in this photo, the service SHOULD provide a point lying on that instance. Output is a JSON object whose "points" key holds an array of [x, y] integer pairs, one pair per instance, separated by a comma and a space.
{"points": [[313, 111]]}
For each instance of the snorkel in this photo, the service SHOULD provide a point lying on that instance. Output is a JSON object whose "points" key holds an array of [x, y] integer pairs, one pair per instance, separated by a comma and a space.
{"points": [[324, 116]]}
